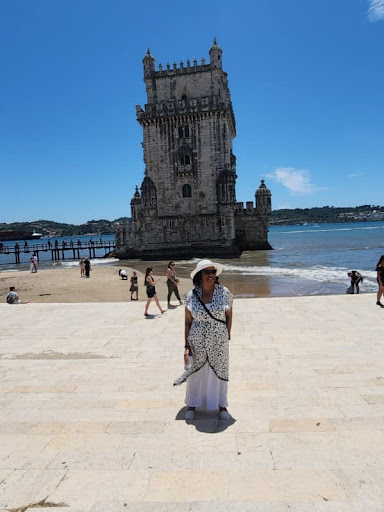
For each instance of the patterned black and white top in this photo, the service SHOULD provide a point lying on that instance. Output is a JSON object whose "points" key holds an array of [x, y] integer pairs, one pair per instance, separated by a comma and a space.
{"points": [[207, 337]]}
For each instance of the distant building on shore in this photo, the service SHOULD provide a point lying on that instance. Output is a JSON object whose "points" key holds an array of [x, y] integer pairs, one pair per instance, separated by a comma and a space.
{"points": [[186, 205]]}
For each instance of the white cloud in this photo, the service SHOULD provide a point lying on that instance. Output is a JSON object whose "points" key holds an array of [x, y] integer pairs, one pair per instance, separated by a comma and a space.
{"points": [[298, 181], [355, 175], [375, 10]]}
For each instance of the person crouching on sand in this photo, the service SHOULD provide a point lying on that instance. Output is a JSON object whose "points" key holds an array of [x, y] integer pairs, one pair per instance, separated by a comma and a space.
{"points": [[123, 274], [151, 290], [356, 280]]}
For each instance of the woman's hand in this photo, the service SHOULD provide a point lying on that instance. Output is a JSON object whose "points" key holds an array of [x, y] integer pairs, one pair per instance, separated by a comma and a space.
{"points": [[186, 356]]}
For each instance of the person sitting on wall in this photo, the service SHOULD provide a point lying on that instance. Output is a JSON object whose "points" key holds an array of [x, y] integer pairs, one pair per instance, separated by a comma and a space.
{"points": [[13, 297]]}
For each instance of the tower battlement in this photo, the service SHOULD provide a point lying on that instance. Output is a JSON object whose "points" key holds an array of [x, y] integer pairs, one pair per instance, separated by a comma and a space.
{"points": [[189, 67]]}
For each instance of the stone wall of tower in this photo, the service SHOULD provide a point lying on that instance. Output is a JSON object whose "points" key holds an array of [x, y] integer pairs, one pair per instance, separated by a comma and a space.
{"points": [[208, 150]]}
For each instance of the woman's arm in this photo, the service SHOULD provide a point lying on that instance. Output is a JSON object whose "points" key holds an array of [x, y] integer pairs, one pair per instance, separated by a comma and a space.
{"points": [[228, 317], [188, 323]]}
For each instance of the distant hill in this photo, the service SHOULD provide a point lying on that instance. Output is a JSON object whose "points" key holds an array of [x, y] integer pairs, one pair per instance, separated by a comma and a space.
{"points": [[51, 228], [327, 214], [286, 216]]}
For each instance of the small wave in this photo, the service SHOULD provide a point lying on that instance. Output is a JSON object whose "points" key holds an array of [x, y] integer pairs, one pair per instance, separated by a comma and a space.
{"points": [[330, 230], [94, 263], [318, 273]]}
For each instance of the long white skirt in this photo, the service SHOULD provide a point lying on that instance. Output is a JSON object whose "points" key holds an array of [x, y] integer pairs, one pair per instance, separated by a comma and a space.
{"points": [[205, 390]]}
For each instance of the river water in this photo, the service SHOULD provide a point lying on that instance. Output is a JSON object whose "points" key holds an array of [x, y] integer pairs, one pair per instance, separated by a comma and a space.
{"points": [[306, 260]]}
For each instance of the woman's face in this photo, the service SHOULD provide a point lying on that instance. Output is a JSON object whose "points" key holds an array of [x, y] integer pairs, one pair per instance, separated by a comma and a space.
{"points": [[209, 275]]}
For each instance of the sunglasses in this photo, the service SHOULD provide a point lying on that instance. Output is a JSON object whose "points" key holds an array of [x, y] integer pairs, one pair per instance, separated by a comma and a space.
{"points": [[208, 271]]}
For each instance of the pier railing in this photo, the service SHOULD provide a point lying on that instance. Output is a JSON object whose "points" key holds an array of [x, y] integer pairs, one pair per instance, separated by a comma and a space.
{"points": [[59, 250]]}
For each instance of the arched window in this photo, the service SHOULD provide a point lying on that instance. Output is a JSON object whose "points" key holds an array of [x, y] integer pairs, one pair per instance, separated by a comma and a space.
{"points": [[186, 131], [187, 160], [187, 191], [181, 132], [182, 160]]}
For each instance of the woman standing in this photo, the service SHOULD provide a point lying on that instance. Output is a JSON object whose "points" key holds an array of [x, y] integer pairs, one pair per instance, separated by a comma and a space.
{"points": [[134, 286], [172, 283], [380, 280], [82, 267], [208, 322], [87, 267], [151, 290]]}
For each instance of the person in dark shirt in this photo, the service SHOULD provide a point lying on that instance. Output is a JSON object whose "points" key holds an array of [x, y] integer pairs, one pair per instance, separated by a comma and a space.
{"points": [[380, 280], [356, 279]]}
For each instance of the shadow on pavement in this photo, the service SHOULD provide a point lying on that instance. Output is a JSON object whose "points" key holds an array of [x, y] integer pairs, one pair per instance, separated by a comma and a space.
{"points": [[206, 421]]}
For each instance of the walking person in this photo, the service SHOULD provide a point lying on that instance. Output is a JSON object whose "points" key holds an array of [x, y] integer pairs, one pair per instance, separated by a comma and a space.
{"points": [[82, 267], [31, 265], [87, 267], [356, 280], [172, 283], [34, 263], [208, 322], [134, 286], [151, 290], [380, 280]]}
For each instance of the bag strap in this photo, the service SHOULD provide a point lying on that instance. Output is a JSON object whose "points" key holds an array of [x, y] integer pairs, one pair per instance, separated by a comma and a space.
{"points": [[206, 309]]}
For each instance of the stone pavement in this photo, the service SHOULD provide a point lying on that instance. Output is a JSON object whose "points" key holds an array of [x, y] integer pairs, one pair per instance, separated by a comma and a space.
{"points": [[90, 421]]}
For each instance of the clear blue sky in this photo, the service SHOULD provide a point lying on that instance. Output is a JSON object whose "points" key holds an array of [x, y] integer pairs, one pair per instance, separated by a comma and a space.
{"points": [[307, 85]]}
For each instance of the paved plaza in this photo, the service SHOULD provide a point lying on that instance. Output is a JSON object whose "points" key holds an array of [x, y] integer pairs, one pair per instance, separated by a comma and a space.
{"points": [[90, 421]]}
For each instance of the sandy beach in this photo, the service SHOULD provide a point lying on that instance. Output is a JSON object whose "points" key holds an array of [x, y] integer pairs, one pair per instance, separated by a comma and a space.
{"points": [[66, 285], [59, 284]]}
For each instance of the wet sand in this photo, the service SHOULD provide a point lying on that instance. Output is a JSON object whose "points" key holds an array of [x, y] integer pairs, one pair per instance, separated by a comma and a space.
{"points": [[64, 285]]}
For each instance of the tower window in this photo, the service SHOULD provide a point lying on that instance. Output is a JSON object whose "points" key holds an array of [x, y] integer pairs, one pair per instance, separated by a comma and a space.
{"points": [[183, 131], [187, 191], [185, 160]]}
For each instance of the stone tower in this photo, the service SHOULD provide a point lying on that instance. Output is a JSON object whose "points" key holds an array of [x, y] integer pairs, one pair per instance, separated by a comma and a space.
{"points": [[187, 205]]}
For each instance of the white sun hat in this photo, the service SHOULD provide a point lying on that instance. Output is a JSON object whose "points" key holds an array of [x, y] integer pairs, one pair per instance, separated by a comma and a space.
{"points": [[202, 264]]}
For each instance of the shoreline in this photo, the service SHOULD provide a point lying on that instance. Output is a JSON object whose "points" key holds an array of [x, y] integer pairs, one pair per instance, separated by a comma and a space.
{"points": [[64, 284]]}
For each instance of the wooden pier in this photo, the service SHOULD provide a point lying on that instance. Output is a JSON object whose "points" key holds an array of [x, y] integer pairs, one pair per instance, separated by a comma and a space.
{"points": [[59, 251]]}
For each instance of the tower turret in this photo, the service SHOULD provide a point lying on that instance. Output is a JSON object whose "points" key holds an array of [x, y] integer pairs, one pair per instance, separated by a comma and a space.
{"points": [[263, 199], [215, 55], [149, 64], [135, 202]]}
